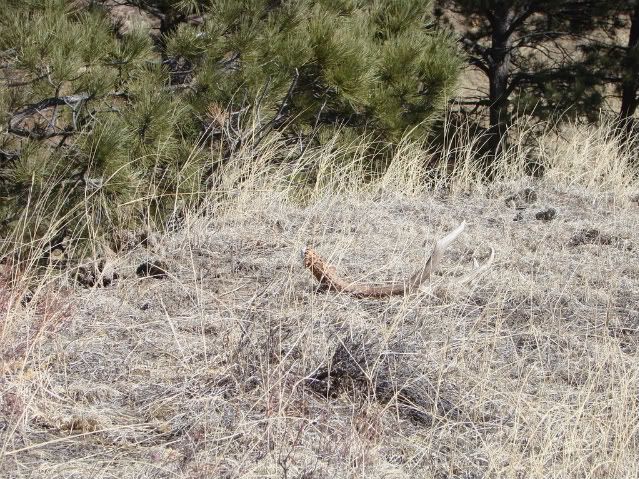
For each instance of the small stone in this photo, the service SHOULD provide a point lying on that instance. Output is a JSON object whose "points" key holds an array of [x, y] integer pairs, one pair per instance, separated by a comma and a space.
{"points": [[592, 236], [97, 273], [154, 269], [546, 215]]}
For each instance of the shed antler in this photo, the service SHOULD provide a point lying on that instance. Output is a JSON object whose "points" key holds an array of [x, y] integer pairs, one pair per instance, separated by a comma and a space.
{"points": [[330, 280]]}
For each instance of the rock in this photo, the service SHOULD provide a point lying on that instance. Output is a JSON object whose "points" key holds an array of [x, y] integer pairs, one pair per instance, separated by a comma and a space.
{"points": [[26, 298], [97, 273], [592, 236], [128, 240], [546, 215], [345, 372], [153, 269]]}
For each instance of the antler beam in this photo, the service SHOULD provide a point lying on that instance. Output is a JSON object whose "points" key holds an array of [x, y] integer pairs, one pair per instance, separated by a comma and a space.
{"points": [[330, 280]]}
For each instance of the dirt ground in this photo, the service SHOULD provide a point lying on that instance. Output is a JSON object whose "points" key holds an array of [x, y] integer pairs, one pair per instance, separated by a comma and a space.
{"points": [[232, 364]]}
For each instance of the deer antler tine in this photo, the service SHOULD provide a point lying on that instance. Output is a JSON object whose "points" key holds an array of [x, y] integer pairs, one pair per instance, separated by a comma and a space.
{"points": [[433, 262], [452, 236], [476, 273]]}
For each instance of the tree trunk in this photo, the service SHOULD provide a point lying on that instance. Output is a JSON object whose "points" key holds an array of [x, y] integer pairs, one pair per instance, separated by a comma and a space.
{"points": [[630, 73], [498, 74]]}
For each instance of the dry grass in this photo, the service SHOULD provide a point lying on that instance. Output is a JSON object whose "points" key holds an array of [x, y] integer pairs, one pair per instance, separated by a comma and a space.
{"points": [[235, 366]]}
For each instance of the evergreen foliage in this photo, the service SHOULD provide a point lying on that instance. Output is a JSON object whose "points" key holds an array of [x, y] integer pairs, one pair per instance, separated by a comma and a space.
{"points": [[532, 53], [323, 63], [91, 130], [106, 124], [613, 58]]}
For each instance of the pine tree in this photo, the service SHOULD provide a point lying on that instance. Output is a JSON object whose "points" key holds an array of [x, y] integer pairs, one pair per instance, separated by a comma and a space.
{"points": [[106, 126], [614, 59], [529, 49], [629, 84], [310, 64], [91, 128]]}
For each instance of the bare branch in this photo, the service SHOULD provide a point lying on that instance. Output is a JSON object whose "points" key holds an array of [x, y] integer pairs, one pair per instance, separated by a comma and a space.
{"points": [[530, 9], [476, 48], [25, 82], [281, 112], [36, 108], [17, 127], [479, 63]]}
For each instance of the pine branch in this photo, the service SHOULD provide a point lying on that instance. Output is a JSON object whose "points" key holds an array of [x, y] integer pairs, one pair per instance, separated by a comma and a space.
{"points": [[521, 19], [36, 109], [476, 48], [279, 116]]}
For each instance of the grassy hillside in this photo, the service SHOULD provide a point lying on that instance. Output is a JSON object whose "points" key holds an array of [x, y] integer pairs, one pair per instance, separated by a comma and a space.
{"points": [[230, 363]]}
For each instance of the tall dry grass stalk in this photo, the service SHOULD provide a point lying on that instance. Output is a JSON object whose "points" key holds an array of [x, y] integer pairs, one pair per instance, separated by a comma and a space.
{"points": [[568, 155]]}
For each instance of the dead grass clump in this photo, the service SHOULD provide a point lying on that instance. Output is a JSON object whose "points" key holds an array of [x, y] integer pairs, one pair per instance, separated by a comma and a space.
{"points": [[593, 236], [365, 369]]}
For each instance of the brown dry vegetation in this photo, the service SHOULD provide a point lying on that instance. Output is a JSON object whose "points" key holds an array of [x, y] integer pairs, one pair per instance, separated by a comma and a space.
{"points": [[233, 365]]}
